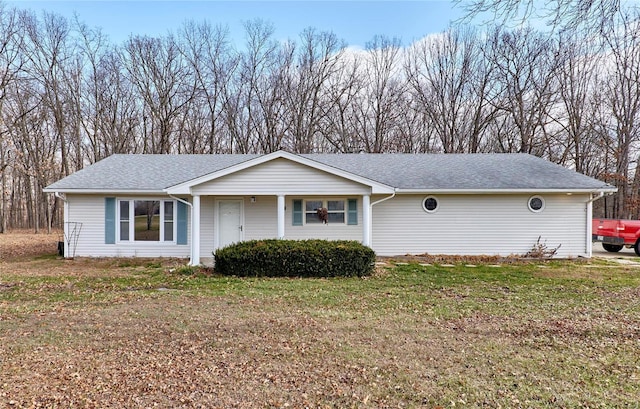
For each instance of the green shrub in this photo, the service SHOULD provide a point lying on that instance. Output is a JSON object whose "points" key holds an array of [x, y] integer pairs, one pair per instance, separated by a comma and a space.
{"points": [[295, 258]]}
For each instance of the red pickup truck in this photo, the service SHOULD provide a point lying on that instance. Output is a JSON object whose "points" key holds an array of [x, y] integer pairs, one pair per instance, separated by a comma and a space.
{"points": [[616, 234]]}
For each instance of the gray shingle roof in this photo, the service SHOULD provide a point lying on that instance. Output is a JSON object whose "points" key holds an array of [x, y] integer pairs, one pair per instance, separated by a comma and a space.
{"points": [[403, 171], [146, 172]]}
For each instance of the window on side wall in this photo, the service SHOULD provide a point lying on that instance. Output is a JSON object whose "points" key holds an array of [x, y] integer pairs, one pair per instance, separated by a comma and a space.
{"points": [[146, 220]]}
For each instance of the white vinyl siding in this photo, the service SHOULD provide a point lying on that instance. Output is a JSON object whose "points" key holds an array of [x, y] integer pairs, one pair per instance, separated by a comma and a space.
{"points": [[261, 218], [90, 211], [479, 225], [281, 176], [463, 224]]}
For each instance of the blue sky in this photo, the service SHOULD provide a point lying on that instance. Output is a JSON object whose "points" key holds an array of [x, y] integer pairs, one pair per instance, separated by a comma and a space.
{"points": [[355, 21]]}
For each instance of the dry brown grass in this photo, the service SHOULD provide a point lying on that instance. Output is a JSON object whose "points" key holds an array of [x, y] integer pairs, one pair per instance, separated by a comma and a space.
{"points": [[128, 333], [22, 244]]}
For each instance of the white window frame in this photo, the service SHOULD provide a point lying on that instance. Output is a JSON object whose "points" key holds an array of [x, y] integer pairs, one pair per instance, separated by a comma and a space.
{"points": [[325, 204], [132, 239]]}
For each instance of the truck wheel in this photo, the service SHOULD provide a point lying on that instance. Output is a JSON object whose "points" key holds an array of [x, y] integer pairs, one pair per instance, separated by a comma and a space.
{"points": [[636, 248], [612, 248]]}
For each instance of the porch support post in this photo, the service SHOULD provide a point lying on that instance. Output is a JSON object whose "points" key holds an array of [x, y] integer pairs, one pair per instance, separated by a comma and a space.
{"points": [[281, 217], [195, 231], [366, 220]]}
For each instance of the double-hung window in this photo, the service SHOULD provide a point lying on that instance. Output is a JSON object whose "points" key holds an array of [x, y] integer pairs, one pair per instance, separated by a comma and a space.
{"points": [[146, 220]]}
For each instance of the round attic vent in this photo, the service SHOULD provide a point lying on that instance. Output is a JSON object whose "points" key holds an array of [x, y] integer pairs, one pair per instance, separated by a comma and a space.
{"points": [[430, 204], [536, 204]]}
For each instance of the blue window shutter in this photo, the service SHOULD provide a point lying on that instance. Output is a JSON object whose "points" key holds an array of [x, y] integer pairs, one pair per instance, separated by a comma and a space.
{"points": [[352, 212], [109, 220], [182, 224], [297, 212]]}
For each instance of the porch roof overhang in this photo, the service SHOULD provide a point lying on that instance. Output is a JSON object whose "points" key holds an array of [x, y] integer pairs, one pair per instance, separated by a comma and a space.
{"points": [[185, 188]]}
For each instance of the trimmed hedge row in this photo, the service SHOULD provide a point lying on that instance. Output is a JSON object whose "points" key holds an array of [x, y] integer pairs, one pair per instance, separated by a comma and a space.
{"points": [[295, 258]]}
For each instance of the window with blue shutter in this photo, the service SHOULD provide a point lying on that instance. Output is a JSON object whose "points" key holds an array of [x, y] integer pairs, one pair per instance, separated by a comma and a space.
{"points": [[109, 220], [297, 212], [352, 212], [181, 220]]}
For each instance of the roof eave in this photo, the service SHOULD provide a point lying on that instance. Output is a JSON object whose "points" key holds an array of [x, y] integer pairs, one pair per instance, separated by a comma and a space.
{"points": [[104, 191], [508, 191]]}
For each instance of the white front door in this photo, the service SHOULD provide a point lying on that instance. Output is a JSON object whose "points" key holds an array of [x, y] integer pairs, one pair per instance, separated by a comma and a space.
{"points": [[229, 222]]}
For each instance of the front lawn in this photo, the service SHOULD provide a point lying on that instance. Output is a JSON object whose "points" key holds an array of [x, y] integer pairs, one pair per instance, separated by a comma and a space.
{"points": [[139, 333]]}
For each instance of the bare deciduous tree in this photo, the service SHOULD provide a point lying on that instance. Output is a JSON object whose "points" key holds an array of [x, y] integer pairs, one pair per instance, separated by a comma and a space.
{"points": [[157, 72], [576, 138], [377, 106], [525, 64], [11, 60], [206, 49], [451, 81], [594, 15], [338, 127], [622, 95], [317, 60]]}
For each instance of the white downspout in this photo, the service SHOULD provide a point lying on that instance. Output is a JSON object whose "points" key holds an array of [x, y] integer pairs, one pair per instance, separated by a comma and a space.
{"points": [[191, 212], [65, 225], [384, 198]]}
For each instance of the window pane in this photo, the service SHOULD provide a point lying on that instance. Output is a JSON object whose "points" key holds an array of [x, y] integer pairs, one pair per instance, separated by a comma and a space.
{"points": [[168, 211], [312, 218], [124, 210], [124, 220], [168, 231], [312, 205], [168, 221], [336, 218], [124, 230], [335, 205], [147, 220]]}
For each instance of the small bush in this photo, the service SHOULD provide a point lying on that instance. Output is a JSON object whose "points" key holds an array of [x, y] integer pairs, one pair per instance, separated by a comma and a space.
{"points": [[295, 258]]}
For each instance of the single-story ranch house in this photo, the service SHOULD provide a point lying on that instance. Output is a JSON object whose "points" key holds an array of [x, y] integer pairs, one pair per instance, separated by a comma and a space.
{"points": [[463, 204]]}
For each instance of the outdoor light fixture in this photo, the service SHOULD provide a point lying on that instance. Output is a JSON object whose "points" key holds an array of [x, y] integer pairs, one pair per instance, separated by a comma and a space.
{"points": [[253, 199]]}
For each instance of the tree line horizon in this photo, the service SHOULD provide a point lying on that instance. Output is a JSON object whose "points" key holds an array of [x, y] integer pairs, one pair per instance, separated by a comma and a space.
{"points": [[69, 98]]}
